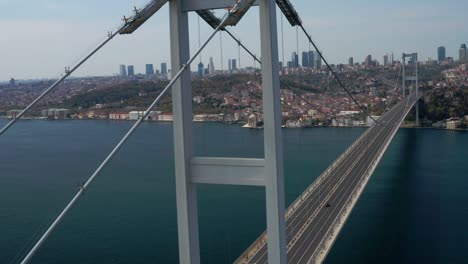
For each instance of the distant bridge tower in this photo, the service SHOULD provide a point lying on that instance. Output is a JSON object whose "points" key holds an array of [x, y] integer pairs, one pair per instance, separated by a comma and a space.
{"points": [[191, 171], [414, 78]]}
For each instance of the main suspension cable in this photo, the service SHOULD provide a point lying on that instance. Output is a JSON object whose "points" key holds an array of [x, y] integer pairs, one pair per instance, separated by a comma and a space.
{"points": [[120, 144], [68, 72]]}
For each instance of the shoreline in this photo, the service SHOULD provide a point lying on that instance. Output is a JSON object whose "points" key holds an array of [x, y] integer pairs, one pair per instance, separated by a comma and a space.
{"points": [[227, 123]]}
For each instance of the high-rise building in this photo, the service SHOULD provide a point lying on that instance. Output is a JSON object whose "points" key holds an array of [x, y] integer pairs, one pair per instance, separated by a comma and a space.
{"points": [[441, 53], [462, 53], [164, 68], [149, 69], [295, 60], [229, 65], [234, 64], [351, 62], [130, 70], [368, 60], [12, 82], [385, 60], [123, 70], [211, 67], [305, 59], [311, 58], [317, 61], [201, 69]]}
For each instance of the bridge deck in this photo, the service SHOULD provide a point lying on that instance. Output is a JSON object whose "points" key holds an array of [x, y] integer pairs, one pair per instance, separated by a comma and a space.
{"points": [[315, 218]]}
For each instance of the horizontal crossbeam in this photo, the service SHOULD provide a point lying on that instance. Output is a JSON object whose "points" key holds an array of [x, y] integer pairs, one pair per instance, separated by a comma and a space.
{"points": [[228, 171], [195, 5]]}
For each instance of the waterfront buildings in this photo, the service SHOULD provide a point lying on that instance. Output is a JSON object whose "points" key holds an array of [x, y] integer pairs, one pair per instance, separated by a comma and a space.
{"points": [[55, 113]]}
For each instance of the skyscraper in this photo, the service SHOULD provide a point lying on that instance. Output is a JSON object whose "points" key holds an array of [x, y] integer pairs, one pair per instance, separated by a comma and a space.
{"points": [[149, 69], [234, 64], [295, 60], [164, 68], [385, 60], [351, 62], [441, 53], [318, 61], [130, 70], [211, 67], [462, 53], [368, 60], [305, 59], [123, 70], [311, 59], [229, 65], [201, 69]]}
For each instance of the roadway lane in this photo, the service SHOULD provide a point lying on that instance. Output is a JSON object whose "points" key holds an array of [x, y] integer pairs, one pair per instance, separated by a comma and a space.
{"points": [[335, 189]]}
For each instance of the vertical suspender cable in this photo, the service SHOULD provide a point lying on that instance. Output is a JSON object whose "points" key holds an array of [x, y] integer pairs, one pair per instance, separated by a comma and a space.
{"points": [[221, 45], [297, 46], [239, 55], [119, 146], [68, 72], [199, 38], [282, 38]]}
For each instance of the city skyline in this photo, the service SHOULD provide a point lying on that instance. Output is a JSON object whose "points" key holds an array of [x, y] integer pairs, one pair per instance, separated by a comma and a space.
{"points": [[63, 32]]}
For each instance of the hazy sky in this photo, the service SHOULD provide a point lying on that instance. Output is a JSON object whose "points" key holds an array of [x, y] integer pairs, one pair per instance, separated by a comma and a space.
{"points": [[40, 37]]}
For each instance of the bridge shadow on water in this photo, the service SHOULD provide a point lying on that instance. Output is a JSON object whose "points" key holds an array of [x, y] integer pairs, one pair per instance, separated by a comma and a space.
{"points": [[397, 217]]}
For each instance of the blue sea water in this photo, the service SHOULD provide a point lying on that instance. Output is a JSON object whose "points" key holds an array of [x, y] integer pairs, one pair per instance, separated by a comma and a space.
{"points": [[414, 210]]}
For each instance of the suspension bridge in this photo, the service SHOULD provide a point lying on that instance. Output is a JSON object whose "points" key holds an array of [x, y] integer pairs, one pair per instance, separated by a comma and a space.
{"points": [[302, 233]]}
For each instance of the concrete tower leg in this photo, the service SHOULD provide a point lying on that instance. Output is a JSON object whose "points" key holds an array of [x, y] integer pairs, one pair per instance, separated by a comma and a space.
{"points": [[272, 134], [417, 89], [186, 191]]}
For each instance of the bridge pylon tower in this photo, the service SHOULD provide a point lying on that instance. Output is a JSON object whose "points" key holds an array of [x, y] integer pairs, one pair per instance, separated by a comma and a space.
{"points": [[191, 170], [413, 78]]}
